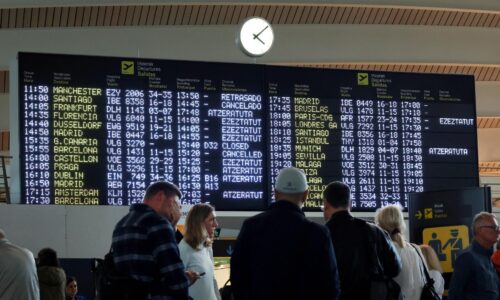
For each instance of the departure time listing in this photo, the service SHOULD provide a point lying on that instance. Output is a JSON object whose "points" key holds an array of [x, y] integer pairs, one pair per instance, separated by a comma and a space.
{"points": [[100, 134]]}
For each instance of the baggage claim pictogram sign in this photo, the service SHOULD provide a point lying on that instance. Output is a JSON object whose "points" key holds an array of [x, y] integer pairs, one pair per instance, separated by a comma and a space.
{"points": [[448, 242]]}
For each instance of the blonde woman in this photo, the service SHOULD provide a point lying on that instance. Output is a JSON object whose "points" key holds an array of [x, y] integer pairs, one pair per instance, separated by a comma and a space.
{"points": [[411, 279], [196, 248], [434, 268]]}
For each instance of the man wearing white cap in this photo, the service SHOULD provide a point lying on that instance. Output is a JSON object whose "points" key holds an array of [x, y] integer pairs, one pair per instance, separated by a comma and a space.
{"points": [[280, 254]]}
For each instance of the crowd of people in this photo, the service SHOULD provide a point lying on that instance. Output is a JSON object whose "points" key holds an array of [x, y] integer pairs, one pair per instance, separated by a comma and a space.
{"points": [[24, 277], [278, 254]]}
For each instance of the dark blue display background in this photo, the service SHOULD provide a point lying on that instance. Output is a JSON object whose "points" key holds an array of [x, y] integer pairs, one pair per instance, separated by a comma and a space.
{"points": [[378, 175]]}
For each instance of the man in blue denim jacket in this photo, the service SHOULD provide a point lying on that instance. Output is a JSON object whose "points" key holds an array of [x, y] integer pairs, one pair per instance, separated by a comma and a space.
{"points": [[474, 276]]}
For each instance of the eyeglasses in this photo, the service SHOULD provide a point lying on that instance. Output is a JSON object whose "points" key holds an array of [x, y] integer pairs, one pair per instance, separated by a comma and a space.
{"points": [[494, 227]]}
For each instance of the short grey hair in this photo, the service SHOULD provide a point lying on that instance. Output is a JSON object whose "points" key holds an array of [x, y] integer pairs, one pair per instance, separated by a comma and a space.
{"points": [[479, 218]]}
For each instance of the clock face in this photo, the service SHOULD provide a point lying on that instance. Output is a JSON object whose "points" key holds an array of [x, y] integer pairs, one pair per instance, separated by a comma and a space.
{"points": [[255, 36]]}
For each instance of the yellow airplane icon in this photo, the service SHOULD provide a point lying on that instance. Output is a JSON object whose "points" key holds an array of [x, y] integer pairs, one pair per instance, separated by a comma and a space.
{"points": [[363, 79], [127, 67]]}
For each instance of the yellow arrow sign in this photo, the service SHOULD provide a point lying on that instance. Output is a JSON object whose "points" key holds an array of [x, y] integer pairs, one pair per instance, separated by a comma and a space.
{"points": [[418, 214]]}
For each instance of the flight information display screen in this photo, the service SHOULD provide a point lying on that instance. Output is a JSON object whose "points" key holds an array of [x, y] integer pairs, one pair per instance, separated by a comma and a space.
{"points": [[99, 130]]}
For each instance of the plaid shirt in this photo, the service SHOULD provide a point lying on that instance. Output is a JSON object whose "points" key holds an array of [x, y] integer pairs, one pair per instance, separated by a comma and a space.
{"points": [[144, 247]]}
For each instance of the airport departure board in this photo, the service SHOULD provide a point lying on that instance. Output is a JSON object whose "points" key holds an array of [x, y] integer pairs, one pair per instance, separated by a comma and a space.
{"points": [[99, 130]]}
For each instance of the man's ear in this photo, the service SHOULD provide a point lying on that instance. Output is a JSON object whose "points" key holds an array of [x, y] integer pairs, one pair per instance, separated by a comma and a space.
{"points": [[326, 204], [157, 197], [170, 201], [305, 196]]}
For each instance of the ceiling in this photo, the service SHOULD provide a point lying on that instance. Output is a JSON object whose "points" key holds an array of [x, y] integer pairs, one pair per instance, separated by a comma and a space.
{"points": [[215, 14], [231, 14]]}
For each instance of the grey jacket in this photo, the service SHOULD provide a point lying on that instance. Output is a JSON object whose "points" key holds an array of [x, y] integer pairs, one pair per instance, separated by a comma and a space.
{"points": [[52, 282]]}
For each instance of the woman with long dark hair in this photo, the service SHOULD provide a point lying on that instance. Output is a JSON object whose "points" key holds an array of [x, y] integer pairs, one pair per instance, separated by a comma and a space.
{"points": [[51, 276]]}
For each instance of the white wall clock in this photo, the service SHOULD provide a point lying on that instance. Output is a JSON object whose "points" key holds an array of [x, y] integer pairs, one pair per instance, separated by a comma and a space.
{"points": [[255, 36]]}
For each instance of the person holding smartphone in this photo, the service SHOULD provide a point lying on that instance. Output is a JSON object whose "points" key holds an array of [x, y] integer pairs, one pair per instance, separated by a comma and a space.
{"points": [[196, 248]]}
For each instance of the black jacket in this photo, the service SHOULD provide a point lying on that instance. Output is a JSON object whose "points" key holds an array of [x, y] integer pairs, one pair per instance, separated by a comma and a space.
{"points": [[354, 253], [280, 255]]}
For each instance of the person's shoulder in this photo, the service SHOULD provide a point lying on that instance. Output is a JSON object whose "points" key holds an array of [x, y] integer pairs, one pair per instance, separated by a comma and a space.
{"points": [[144, 210], [138, 215], [44, 270], [465, 260], [260, 217], [18, 252], [149, 218], [411, 250], [185, 251], [61, 272], [466, 255], [25, 251], [376, 230], [436, 275], [15, 248], [184, 247], [376, 234], [51, 274], [365, 226], [370, 225], [316, 228]]}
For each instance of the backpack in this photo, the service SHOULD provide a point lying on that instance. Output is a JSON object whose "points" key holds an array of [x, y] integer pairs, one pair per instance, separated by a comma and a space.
{"points": [[113, 285]]}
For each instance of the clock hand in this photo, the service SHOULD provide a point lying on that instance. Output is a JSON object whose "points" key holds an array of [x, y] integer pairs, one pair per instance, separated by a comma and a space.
{"points": [[255, 36]]}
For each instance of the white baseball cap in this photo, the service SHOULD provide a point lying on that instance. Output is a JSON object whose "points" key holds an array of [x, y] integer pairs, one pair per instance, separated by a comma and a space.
{"points": [[291, 181]]}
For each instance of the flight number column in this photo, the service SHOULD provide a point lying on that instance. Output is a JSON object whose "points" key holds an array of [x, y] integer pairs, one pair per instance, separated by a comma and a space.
{"points": [[114, 147], [365, 137], [189, 146], [411, 123], [161, 136], [347, 150], [280, 139], [388, 152], [37, 144], [135, 150]]}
